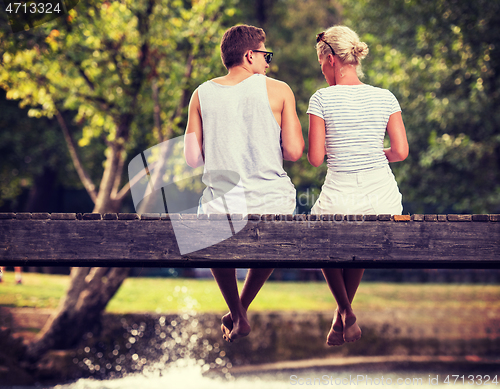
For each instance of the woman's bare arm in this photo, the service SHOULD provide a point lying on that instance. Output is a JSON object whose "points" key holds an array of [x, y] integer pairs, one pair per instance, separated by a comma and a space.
{"points": [[397, 135], [316, 152]]}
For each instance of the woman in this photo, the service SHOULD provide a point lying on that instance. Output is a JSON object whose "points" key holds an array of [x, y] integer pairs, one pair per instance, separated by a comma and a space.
{"points": [[347, 122]]}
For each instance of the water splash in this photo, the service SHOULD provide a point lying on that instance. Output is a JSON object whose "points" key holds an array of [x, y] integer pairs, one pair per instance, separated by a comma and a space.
{"points": [[153, 346], [190, 377], [186, 377]]}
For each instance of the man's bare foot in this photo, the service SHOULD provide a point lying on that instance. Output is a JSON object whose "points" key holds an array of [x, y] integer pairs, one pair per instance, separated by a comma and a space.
{"points": [[336, 334], [226, 326], [352, 332], [232, 329]]}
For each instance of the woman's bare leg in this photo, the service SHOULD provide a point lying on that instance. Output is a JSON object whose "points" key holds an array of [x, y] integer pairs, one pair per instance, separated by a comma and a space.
{"points": [[336, 334], [343, 284], [352, 279]]}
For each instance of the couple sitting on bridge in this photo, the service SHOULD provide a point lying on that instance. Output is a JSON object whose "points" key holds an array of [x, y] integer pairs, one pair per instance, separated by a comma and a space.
{"points": [[247, 123]]}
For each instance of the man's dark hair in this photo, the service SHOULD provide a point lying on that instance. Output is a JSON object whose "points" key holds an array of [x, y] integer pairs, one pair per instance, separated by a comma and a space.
{"points": [[237, 40]]}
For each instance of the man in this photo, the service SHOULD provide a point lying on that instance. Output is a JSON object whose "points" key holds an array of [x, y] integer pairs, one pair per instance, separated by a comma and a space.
{"points": [[246, 123]]}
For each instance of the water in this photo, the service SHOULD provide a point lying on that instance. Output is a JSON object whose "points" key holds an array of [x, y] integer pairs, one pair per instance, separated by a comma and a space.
{"points": [[191, 377], [181, 351]]}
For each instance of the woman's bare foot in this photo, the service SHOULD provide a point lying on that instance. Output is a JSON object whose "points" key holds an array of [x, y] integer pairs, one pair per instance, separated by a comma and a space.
{"points": [[352, 332], [336, 334], [234, 329]]}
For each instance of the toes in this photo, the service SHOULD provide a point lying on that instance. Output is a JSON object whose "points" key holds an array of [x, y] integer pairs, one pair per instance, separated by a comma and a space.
{"points": [[227, 321], [226, 333]]}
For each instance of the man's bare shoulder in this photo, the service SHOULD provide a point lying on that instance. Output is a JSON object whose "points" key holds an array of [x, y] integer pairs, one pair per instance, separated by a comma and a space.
{"points": [[276, 83], [278, 86]]}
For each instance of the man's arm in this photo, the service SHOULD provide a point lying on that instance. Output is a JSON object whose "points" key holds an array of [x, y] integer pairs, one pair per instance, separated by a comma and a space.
{"points": [[193, 139], [291, 130], [282, 103]]}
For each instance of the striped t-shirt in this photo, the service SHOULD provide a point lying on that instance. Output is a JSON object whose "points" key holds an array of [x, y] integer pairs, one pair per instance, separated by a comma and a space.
{"points": [[356, 119]]}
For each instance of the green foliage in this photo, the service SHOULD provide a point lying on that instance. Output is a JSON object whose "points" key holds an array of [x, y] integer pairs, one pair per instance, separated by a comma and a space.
{"points": [[89, 61], [441, 59], [102, 61], [27, 147]]}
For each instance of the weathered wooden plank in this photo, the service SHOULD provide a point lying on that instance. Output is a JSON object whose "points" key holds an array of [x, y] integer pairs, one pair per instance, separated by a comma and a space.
{"points": [[291, 242], [91, 216], [150, 216], [459, 218], [128, 216], [23, 215], [63, 216], [40, 215]]}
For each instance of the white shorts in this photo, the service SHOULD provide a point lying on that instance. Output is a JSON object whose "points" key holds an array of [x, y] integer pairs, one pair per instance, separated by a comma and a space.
{"points": [[373, 192]]}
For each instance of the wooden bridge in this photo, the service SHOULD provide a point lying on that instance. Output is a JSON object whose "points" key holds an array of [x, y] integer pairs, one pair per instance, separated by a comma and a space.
{"points": [[284, 241]]}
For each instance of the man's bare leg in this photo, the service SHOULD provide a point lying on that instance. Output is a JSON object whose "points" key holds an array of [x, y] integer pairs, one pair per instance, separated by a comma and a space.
{"points": [[240, 327], [343, 284], [254, 281]]}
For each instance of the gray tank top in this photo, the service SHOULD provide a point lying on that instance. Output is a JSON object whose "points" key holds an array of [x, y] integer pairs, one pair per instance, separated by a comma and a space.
{"points": [[242, 149]]}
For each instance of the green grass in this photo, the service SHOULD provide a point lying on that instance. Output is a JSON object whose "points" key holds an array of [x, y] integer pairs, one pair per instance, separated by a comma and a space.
{"points": [[166, 295]]}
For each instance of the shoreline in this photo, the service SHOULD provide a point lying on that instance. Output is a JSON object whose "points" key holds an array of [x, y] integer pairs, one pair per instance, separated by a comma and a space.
{"points": [[393, 362]]}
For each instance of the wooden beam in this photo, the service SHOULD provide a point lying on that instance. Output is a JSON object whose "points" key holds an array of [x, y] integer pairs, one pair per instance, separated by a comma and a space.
{"points": [[285, 241]]}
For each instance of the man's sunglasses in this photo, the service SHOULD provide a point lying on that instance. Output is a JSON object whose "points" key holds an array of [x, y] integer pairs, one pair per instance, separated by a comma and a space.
{"points": [[268, 55], [321, 38]]}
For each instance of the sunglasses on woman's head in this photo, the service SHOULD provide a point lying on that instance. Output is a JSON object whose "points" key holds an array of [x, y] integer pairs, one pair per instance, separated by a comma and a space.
{"points": [[321, 38], [268, 55]]}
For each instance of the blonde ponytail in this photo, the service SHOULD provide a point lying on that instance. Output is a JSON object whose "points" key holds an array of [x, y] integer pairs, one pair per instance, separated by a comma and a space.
{"points": [[346, 44]]}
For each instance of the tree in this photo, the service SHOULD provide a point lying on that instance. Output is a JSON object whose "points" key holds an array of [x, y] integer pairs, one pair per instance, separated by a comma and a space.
{"points": [[441, 58], [127, 68], [28, 172]]}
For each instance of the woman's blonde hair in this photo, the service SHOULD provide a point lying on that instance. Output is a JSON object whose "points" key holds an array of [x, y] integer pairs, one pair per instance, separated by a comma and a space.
{"points": [[345, 44]]}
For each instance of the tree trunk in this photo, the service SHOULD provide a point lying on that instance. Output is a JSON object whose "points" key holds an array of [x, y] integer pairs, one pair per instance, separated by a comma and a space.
{"points": [[89, 293], [104, 201], [91, 288]]}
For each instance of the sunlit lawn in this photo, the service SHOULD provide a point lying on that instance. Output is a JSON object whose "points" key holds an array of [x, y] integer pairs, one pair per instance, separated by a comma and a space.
{"points": [[165, 295]]}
